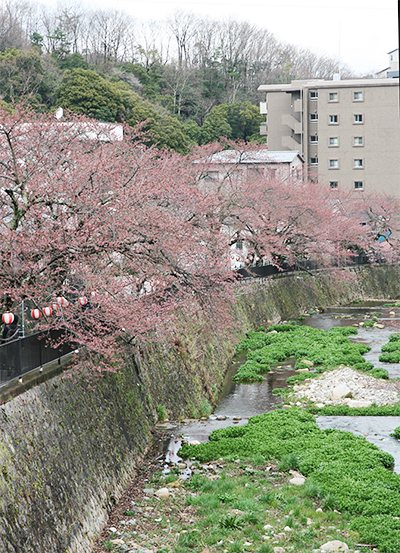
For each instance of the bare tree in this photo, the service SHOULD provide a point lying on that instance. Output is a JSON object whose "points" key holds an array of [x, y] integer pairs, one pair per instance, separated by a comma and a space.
{"points": [[109, 32], [183, 26], [12, 33]]}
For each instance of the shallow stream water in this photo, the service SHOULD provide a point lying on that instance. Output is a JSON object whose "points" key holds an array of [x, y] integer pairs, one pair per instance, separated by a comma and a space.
{"points": [[246, 400]]}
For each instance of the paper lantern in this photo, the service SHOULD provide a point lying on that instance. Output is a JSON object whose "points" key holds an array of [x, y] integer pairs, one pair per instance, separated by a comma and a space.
{"points": [[54, 306], [47, 311], [8, 318], [62, 301], [82, 300], [36, 313]]}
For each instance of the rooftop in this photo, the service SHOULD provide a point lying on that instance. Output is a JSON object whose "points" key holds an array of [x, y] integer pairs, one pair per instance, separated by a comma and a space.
{"points": [[257, 156]]}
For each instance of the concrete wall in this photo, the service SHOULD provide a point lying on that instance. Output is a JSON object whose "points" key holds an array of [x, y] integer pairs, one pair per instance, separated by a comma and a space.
{"points": [[69, 446]]}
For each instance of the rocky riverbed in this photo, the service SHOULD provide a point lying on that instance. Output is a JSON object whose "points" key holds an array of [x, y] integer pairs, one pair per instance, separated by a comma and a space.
{"points": [[345, 386]]}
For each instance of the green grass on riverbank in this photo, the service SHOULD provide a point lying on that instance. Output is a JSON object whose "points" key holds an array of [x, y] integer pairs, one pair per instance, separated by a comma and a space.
{"points": [[325, 349], [348, 470]]}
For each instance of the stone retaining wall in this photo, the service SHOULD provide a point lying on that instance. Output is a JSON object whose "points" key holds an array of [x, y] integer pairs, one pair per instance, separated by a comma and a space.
{"points": [[69, 447]]}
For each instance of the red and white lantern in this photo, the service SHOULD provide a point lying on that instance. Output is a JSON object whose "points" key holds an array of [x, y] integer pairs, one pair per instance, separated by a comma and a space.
{"points": [[54, 306], [47, 311], [36, 313], [8, 318], [62, 301], [82, 301]]}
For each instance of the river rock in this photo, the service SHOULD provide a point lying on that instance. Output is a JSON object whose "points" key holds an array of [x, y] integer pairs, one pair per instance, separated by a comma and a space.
{"points": [[307, 362], [297, 481], [163, 493], [392, 313], [302, 370], [194, 442], [340, 391], [268, 527], [362, 387], [358, 403], [279, 550], [334, 546], [379, 325]]}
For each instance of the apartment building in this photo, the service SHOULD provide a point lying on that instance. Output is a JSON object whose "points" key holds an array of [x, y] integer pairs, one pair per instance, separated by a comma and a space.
{"points": [[348, 132]]}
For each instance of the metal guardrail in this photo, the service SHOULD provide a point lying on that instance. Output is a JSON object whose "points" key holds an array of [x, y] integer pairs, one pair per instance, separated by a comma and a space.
{"points": [[26, 354], [260, 271]]}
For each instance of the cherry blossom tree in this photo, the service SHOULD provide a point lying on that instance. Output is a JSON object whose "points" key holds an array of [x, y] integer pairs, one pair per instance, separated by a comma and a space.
{"points": [[127, 237], [291, 219], [119, 225]]}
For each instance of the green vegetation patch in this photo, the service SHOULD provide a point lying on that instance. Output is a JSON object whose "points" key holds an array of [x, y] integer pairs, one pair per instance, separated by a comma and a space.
{"points": [[396, 433], [349, 472], [391, 350], [345, 410], [326, 349]]}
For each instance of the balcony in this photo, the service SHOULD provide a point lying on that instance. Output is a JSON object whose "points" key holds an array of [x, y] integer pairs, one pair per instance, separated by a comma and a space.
{"points": [[297, 106], [290, 143], [263, 108], [263, 129], [292, 123]]}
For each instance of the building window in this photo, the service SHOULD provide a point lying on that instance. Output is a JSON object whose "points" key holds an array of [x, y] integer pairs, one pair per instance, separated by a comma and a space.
{"points": [[358, 141], [333, 141], [313, 161], [333, 164], [333, 183], [358, 118], [358, 185], [239, 245], [313, 94], [358, 164], [333, 119], [313, 117], [211, 175], [358, 96], [314, 139], [255, 171], [333, 97]]}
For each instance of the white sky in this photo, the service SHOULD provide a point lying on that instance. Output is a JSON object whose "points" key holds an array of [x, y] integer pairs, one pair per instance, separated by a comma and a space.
{"points": [[360, 32]]}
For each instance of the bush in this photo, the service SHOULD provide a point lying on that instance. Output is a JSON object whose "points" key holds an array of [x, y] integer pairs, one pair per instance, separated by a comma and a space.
{"points": [[390, 357], [396, 433], [380, 373]]}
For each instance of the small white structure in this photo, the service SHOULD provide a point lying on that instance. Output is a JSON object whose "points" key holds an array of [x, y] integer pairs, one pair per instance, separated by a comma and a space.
{"points": [[286, 166], [96, 130], [392, 71]]}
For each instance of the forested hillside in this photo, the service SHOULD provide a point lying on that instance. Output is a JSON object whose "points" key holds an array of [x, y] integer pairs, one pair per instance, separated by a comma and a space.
{"points": [[191, 79]]}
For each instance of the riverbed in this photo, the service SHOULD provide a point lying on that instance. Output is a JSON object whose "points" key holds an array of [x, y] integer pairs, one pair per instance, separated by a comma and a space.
{"points": [[238, 402]]}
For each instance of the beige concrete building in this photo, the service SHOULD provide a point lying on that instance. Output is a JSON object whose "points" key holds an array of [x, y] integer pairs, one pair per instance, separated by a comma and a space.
{"points": [[348, 132]]}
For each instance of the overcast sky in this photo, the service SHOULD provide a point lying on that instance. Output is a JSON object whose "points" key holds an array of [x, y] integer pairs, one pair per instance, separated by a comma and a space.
{"points": [[360, 32]]}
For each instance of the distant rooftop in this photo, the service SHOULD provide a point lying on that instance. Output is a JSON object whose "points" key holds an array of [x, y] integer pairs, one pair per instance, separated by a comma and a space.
{"points": [[257, 156]]}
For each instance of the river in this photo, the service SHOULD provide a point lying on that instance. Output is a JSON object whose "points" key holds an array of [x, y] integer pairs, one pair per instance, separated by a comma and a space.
{"points": [[245, 400]]}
